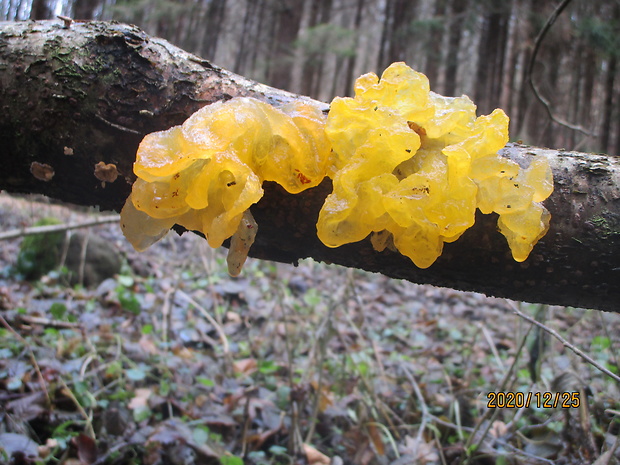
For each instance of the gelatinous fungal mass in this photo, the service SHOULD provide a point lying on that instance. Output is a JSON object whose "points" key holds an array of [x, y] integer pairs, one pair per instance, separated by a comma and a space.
{"points": [[409, 167], [206, 173], [412, 166]]}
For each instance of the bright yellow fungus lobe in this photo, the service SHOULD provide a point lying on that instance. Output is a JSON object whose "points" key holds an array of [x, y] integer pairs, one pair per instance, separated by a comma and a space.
{"points": [[206, 173], [411, 167]]}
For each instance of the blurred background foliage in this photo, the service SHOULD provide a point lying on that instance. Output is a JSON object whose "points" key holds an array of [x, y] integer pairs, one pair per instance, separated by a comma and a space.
{"points": [[477, 47]]}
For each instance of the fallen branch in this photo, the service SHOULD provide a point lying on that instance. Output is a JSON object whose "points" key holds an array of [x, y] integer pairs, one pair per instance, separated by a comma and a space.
{"points": [[564, 342], [77, 96], [29, 231]]}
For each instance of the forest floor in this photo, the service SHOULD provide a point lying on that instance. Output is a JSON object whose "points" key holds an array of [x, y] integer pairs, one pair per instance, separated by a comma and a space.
{"points": [[174, 362]]}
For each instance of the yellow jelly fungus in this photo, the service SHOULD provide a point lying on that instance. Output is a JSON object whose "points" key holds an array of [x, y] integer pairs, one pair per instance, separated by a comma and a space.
{"points": [[205, 174], [411, 167]]}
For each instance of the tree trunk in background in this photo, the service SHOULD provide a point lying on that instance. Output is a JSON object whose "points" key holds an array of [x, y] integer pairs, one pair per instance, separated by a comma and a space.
{"points": [[508, 70], [214, 22], [434, 54], [608, 105], [402, 15], [40, 10], [243, 45], [349, 77], [482, 75], [316, 66], [479, 47], [386, 34], [259, 27], [85, 9], [310, 65], [287, 21], [454, 41], [115, 84], [588, 82], [491, 65]]}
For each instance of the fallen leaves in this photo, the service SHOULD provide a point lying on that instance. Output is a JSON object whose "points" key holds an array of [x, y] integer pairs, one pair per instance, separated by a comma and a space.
{"points": [[312, 368]]}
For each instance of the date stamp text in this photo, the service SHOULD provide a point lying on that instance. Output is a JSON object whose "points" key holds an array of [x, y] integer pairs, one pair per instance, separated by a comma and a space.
{"points": [[509, 399]]}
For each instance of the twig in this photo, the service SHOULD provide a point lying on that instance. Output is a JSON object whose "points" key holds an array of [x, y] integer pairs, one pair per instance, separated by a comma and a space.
{"points": [[38, 320], [87, 417], [294, 444], [612, 451], [612, 349], [114, 449], [425, 413], [453, 426], [118, 126], [566, 344], [377, 404], [246, 420], [321, 339], [57, 227], [386, 431], [489, 339], [83, 250], [32, 358], [530, 70], [205, 313], [228, 361], [165, 313], [493, 412]]}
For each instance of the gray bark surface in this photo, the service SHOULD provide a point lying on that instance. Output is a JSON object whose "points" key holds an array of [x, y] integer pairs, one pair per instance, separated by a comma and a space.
{"points": [[72, 97]]}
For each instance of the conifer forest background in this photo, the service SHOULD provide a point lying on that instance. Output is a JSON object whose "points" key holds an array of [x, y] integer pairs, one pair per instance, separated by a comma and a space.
{"points": [[481, 48]]}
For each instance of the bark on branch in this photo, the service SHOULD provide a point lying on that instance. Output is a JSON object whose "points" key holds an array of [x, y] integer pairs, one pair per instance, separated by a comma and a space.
{"points": [[72, 97]]}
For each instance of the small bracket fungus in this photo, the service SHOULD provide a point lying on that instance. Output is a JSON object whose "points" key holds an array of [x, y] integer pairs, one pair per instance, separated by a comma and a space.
{"points": [[409, 168], [42, 171], [106, 172]]}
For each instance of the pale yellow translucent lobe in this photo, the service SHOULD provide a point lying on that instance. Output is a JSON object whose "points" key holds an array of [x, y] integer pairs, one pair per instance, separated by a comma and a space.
{"points": [[492, 166], [401, 89], [219, 195], [352, 211], [140, 229], [490, 134], [165, 197], [523, 229], [282, 160], [357, 124], [453, 118], [163, 154], [310, 122], [421, 242], [215, 126], [381, 240], [226, 181], [539, 176], [350, 218], [412, 166]]}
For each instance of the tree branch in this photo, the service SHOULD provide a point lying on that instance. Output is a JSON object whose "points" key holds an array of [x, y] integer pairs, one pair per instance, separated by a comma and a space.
{"points": [[73, 97], [530, 71]]}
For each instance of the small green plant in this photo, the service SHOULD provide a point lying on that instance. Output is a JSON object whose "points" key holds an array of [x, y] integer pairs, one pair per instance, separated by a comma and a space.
{"points": [[39, 253], [126, 295]]}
